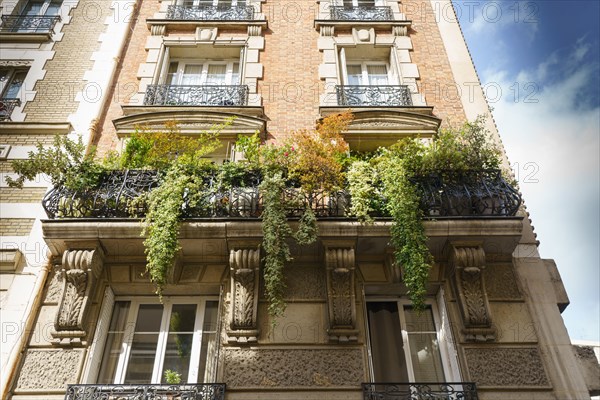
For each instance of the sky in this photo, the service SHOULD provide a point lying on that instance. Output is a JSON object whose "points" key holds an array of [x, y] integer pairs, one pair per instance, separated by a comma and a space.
{"points": [[539, 64]]}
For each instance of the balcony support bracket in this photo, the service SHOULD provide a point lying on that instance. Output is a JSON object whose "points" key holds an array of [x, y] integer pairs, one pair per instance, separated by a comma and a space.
{"points": [[341, 297], [80, 269], [244, 267], [467, 261]]}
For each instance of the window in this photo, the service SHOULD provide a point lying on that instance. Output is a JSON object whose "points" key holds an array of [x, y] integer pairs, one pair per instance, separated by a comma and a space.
{"points": [[367, 74], [406, 346], [11, 82], [35, 16], [203, 73], [146, 338], [220, 3]]}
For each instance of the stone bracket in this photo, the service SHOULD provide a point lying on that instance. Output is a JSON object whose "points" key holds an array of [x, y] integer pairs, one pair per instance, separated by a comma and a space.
{"points": [[341, 298], [79, 270], [244, 266], [468, 266]]}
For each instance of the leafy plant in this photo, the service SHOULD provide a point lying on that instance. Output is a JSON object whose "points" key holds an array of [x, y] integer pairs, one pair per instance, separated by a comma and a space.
{"points": [[362, 180], [65, 163], [172, 377]]}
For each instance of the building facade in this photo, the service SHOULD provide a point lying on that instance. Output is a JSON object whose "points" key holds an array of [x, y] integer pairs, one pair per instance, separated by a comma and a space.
{"points": [[86, 314]]}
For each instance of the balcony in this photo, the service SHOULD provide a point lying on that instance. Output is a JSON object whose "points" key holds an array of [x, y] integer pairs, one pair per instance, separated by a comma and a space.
{"points": [[7, 106], [361, 13], [27, 28], [419, 391], [373, 96], [210, 13], [445, 195], [209, 391], [196, 95]]}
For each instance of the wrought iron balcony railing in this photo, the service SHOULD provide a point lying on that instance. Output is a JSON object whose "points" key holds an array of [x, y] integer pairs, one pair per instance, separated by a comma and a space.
{"points": [[211, 13], [483, 193], [206, 391], [368, 96], [7, 106], [196, 95], [473, 193], [28, 23], [419, 391], [361, 13]]}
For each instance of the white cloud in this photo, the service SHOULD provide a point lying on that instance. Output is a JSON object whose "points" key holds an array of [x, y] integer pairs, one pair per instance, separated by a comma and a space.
{"points": [[551, 129]]}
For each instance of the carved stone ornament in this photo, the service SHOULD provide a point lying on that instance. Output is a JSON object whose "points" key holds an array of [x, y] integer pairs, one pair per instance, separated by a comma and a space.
{"points": [[80, 269], [244, 267], [341, 298], [468, 282], [399, 30], [254, 30], [15, 63], [158, 30], [327, 30]]}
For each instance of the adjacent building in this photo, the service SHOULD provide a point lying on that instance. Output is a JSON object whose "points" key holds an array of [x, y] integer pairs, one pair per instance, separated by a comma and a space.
{"points": [[86, 317]]}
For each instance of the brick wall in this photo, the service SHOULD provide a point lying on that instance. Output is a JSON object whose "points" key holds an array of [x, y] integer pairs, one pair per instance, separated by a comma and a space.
{"points": [[5, 167], [437, 82], [55, 97], [15, 226], [291, 84], [27, 140], [25, 195]]}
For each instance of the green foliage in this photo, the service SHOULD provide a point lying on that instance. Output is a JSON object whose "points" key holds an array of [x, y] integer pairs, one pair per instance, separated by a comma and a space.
{"points": [[275, 230], [307, 227], [65, 163], [172, 377], [362, 178]]}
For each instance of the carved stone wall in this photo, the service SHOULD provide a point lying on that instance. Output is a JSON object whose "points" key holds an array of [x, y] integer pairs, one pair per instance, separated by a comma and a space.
{"points": [[506, 367], [341, 298], [244, 267], [49, 370], [305, 283], [468, 262], [293, 368], [80, 268], [501, 283]]}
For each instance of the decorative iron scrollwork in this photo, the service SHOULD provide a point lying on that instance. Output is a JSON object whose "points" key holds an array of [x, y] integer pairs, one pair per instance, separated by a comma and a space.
{"points": [[197, 95], [28, 23], [478, 193], [7, 106], [369, 96], [206, 391], [420, 391], [361, 13], [211, 13]]}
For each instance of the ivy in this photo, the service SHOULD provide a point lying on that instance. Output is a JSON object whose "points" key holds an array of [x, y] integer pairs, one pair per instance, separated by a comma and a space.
{"points": [[276, 230], [65, 163], [362, 179]]}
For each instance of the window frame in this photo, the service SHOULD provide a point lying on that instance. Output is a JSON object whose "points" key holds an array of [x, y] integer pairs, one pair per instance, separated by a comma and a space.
{"points": [[204, 77], [449, 367], [364, 65], [159, 359], [5, 85], [43, 9]]}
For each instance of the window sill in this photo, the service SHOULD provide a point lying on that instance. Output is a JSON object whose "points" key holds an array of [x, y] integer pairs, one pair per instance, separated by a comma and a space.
{"points": [[193, 24], [25, 37], [361, 23]]}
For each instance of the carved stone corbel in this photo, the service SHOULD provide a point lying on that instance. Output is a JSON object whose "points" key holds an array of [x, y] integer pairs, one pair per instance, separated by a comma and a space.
{"points": [[341, 298], [468, 262], [244, 265], [79, 270]]}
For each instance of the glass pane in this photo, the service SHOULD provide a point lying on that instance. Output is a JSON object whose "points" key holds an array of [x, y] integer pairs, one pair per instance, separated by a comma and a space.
{"points": [[419, 322], [424, 346], [235, 76], [208, 353], [377, 75], [172, 74], [144, 344], [216, 74], [114, 342], [33, 8], [387, 353], [53, 8], [426, 358], [179, 340], [15, 84], [354, 74], [192, 74]]}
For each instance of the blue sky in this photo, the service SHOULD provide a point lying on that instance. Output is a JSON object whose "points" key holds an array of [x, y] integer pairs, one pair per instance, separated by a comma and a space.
{"points": [[539, 63]]}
